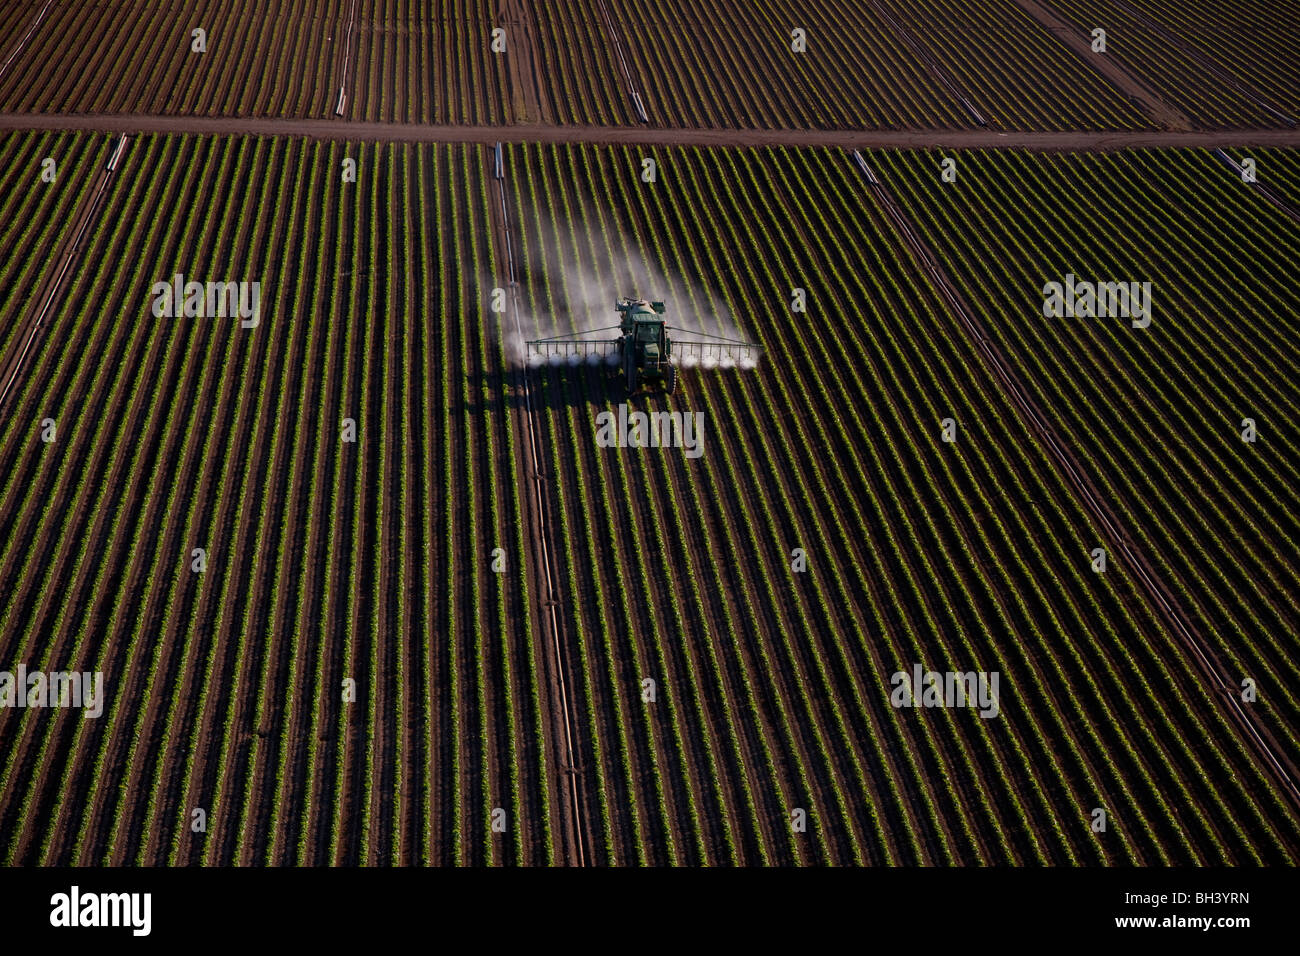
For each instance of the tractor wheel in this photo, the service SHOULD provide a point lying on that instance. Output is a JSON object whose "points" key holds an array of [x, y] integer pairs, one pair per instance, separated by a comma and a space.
{"points": [[630, 366], [670, 380]]}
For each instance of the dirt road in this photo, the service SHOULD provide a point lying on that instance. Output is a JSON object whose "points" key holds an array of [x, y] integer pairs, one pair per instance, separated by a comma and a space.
{"points": [[641, 135]]}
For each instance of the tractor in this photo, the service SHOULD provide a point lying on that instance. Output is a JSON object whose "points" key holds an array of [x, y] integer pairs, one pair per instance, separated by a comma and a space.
{"points": [[643, 351]]}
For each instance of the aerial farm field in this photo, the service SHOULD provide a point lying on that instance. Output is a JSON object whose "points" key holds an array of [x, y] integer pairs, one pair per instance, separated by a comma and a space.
{"points": [[395, 60], [1225, 64], [368, 583], [879, 64]]}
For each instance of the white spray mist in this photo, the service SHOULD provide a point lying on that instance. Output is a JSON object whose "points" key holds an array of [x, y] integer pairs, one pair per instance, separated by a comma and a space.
{"points": [[587, 276]]}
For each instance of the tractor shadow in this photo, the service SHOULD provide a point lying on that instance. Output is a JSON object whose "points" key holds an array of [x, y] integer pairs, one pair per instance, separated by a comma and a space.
{"points": [[554, 388]]}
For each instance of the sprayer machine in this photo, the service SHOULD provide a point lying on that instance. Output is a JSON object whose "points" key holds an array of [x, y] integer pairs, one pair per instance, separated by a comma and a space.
{"points": [[643, 350]]}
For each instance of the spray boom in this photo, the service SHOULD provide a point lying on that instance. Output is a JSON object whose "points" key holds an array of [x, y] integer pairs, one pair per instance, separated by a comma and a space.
{"points": [[643, 349]]}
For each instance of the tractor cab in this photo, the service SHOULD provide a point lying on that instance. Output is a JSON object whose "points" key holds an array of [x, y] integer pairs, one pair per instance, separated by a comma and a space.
{"points": [[650, 338], [644, 347]]}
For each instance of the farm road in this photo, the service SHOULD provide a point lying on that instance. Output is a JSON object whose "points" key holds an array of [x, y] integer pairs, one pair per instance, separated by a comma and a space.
{"points": [[641, 135]]}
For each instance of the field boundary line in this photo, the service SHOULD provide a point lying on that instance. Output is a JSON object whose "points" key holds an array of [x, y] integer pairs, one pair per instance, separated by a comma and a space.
{"points": [[1281, 204], [26, 36], [627, 73], [928, 59], [487, 134], [50, 291], [578, 838], [347, 59], [1162, 596]]}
